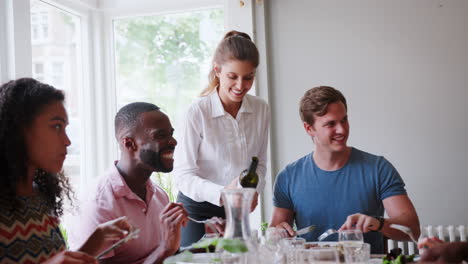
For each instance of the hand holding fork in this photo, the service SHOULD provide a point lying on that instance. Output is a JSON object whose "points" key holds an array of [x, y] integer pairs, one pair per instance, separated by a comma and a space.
{"points": [[215, 224]]}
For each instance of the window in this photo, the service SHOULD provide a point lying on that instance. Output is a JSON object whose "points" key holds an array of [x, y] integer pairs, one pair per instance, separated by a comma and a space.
{"points": [[57, 63], [165, 60], [39, 23], [57, 74], [70, 50], [38, 71]]}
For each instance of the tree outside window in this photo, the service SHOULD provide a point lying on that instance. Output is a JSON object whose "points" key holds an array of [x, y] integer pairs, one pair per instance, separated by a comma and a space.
{"points": [[165, 60]]}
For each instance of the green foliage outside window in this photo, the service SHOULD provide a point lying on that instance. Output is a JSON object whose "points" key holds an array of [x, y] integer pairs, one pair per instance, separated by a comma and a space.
{"points": [[159, 59], [164, 59], [164, 180], [64, 233]]}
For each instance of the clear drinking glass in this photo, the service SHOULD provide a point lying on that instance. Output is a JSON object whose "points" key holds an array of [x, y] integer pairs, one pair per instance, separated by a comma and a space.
{"points": [[350, 237], [293, 242], [357, 253], [291, 247], [273, 235], [318, 255]]}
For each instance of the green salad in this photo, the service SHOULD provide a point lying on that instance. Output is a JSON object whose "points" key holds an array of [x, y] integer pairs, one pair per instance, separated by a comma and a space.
{"points": [[230, 245], [396, 257]]}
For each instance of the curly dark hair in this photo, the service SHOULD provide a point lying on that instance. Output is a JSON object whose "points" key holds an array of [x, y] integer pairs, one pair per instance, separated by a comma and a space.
{"points": [[21, 101]]}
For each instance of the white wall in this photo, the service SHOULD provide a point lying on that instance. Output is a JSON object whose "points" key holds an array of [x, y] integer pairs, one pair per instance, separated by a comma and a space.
{"points": [[403, 66]]}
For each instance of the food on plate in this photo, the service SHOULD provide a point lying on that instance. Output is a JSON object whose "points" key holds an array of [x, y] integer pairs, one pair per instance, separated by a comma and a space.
{"points": [[396, 257]]}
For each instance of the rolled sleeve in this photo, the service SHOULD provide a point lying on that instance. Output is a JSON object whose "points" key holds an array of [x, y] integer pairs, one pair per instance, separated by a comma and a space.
{"points": [[391, 183]]}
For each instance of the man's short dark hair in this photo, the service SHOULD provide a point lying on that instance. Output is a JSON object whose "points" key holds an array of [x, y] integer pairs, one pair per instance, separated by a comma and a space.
{"points": [[316, 100], [128, 116]]}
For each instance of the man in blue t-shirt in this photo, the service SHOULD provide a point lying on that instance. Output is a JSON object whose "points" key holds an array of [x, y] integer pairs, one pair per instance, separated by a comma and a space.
{"points": [[338, 186]]}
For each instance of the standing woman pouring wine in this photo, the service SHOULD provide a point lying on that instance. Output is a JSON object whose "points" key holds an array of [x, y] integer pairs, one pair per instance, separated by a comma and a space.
{"points": [[222, 131]]}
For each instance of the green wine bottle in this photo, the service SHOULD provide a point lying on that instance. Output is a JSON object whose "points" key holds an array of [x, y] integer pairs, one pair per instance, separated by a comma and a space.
{"points": [[249, 178]]}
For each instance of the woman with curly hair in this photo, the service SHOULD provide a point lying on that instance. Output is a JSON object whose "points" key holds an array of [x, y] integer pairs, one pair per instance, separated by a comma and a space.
{"points": [[33, 147]]}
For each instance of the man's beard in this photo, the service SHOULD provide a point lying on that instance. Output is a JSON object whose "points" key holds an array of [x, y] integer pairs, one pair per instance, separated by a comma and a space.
{"points": [[153, 159]]}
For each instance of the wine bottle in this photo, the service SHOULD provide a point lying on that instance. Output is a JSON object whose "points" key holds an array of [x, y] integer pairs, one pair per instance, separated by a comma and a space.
{"points": [[249, 178]]}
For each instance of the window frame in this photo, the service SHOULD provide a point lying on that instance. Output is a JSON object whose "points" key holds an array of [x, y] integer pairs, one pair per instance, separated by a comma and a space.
{"points": [[112, 11], [98, 85]]}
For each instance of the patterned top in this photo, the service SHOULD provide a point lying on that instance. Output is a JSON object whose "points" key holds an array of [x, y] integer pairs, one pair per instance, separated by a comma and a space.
{"points": [[29, 234]]}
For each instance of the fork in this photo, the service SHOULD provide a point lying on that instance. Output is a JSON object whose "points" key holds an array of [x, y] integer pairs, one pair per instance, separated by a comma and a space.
{"points": [[208, 222], [327, 233], [405, 230]]}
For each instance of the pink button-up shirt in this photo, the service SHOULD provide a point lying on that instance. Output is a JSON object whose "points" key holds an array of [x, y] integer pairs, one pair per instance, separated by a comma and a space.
{"points": [[112, 199]]}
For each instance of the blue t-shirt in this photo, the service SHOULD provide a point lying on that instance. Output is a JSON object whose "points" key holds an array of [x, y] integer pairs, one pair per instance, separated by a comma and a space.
{"points": [[326, 198]]}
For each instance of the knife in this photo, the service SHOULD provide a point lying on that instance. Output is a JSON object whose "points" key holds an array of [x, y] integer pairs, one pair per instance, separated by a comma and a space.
{"points": [[305, 230]]}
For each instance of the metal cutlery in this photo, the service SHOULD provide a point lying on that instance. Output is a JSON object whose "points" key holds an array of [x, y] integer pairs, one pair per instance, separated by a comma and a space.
{"points": [[405, 230], [327, 233], [208, 222], [133, 234], [305, 230]]}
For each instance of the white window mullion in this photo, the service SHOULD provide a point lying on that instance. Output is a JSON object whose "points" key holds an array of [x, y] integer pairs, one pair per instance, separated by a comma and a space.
{"points": [[3, 42], [15, 39], [89, 159], [262, 89], [104, 92]]}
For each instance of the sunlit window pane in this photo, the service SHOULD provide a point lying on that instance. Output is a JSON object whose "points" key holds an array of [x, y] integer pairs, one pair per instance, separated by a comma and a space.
{"points": [[165, 59], [56, 56]]}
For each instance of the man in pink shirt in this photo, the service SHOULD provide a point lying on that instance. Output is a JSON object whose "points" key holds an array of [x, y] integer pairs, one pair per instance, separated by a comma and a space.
{"points": [[146, 143]]}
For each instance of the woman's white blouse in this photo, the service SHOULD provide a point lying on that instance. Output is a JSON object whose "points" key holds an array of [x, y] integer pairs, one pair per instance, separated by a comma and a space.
{"points": [[214, 148]]}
